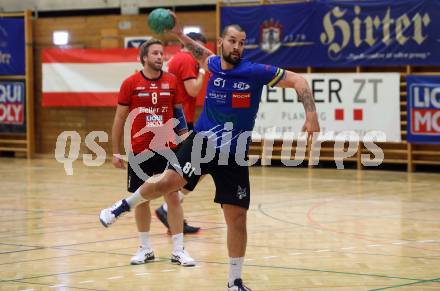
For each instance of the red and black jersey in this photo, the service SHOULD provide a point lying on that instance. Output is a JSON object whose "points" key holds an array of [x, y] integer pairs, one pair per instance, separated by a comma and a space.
{"points": [[185, 67], [153, 101]]}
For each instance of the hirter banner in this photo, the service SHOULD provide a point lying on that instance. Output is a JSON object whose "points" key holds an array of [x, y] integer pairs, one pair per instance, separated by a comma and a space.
{"points": [[86, 77], [423, 106], [335, 33]]}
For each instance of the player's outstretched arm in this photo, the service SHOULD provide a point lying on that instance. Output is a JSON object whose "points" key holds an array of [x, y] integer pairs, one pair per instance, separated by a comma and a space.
{"points": [[297, 82], [200, 53]]}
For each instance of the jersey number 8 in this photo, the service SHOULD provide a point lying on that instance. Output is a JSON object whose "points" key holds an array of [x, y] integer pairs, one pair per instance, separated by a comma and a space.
{"points": [[154, 97]]}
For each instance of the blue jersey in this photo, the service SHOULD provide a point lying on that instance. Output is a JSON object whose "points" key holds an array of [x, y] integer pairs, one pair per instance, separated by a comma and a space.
{"points": [[232, 100]]}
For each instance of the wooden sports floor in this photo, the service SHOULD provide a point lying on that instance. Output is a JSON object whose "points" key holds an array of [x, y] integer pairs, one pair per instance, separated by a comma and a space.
{"points": [[309, 229]]}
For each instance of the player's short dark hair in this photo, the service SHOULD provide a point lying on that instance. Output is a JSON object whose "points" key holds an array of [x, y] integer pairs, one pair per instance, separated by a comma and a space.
{"points": [[143, 49], [236, 26], [197, 37]]}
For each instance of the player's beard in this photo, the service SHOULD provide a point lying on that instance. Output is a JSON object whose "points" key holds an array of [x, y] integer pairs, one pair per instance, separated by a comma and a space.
{"points": [[229, 59], [154, 66]]}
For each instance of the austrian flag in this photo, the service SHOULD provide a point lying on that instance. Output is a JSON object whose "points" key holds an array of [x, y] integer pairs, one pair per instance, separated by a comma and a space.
{"points": [[86, 77]]}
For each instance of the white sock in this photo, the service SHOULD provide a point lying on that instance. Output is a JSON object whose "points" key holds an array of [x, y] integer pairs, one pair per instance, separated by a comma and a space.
{"points": [[144, 238], [181, 196], [177, 242], [235, 266], [135, 199]]}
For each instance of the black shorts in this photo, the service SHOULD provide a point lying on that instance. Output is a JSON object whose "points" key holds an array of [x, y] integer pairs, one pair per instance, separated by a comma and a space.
{"points": [[154, 165], [231, 180]]}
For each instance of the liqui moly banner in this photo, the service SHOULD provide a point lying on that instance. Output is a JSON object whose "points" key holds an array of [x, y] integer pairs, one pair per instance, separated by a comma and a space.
{"points": [[12, 107], [365, 104], [330, 33], [423, 107]]}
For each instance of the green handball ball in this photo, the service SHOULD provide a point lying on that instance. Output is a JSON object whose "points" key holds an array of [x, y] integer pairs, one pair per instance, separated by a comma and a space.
{"points": [[160, 20]]}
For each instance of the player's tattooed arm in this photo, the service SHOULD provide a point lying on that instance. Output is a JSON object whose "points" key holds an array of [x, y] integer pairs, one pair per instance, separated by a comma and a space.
{"points": [[200, 53], [305, 95], [297, 82]]}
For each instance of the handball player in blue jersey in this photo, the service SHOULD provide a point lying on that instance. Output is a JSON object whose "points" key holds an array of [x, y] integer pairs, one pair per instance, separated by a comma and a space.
{"points": [[219, 143]]}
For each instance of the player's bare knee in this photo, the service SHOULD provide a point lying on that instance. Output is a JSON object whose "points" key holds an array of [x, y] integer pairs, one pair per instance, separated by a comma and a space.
{"points": [[172, 199], [170, 182], [239, 219], [235, 217], [162, 186], [238, 226], [143, 205]]}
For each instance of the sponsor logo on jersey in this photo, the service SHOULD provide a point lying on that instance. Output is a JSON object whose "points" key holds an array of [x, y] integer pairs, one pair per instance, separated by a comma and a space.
{"points": [[165, 86], [154, 120], [153, 86], [164, 93], [241, 86], [220, 97], [241, 100], [140, 88], [150, 110], [143, 94]]}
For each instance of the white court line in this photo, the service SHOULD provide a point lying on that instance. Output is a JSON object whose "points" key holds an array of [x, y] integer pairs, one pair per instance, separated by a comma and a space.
{"points": [[28, 289], [169, 270], [270, 257], [85, 282], [372, 246], [348, 248], [142, 274], [399, 243], [56, 286], [426, 241], [321, 251], [115, 277], [295, 254], [248, 260]]}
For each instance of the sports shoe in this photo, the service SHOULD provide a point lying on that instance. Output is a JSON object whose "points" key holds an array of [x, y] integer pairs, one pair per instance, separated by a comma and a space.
{"points": [[182, 258], [142, 256], [188, 229], [108, 216], [238, 286], [162, 215]]}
